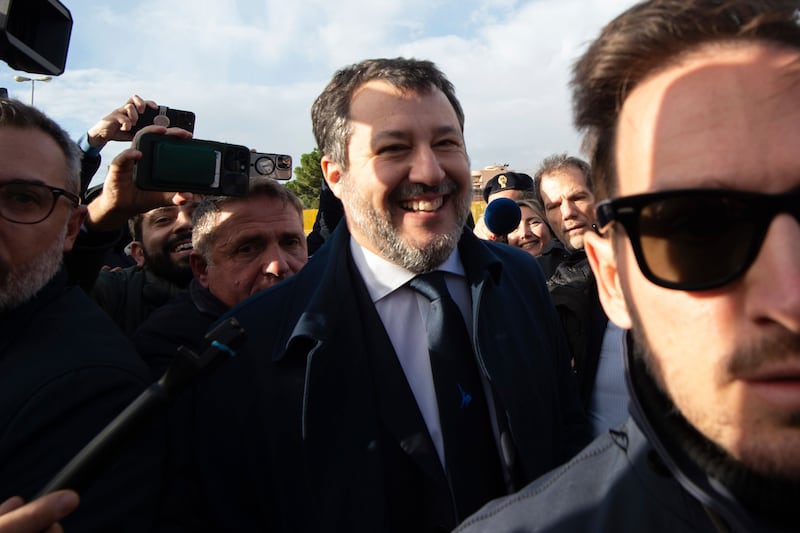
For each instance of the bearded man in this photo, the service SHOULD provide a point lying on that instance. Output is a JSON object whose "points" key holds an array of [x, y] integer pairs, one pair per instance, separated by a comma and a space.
{"points": [[690, 109], [337, 413], [56, 389], [160, 225], [162, 243]]}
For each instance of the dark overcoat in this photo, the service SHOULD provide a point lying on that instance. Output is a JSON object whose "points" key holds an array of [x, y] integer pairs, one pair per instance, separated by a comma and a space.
{"points": [[303, 430]]}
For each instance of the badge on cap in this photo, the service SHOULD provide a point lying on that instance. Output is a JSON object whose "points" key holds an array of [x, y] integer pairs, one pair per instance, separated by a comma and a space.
{"points": [[503, 181]]}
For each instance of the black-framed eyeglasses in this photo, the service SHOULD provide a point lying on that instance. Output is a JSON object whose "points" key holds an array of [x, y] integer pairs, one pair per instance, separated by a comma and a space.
{"points": [[696, 239], [24, 202]]}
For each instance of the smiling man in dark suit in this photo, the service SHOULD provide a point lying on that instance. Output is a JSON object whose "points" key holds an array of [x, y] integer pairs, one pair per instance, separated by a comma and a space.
{"points": [[362, 401]]}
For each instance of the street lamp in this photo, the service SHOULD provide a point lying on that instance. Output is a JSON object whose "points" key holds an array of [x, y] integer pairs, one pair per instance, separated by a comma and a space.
{"points": [[33, 82]]}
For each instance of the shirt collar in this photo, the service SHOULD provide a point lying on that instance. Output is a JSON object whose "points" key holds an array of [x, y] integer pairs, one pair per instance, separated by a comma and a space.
{"points": [[383, 277]]}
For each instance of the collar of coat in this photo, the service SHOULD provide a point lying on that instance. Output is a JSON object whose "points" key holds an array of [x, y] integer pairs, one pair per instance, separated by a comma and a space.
{"points": [[315, 294]]}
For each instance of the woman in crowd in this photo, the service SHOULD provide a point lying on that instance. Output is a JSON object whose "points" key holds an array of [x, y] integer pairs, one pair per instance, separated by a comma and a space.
{"points": [[533, 234]]}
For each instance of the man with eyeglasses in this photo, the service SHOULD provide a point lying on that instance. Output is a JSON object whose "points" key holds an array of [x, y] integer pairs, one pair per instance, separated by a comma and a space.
{"points": [[691, 110], [57, 388]]}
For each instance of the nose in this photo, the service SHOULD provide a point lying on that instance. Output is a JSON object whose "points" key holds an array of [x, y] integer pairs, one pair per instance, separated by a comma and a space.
{"points": [[773, 281], [184, 198], [568, 209], [183, 222], [523, 230], [274, 262], [426, 167]]}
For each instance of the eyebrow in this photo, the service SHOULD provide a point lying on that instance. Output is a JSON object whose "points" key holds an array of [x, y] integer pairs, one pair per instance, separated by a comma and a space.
{"points": [[401, 134], [161, 211], [294, 234]]}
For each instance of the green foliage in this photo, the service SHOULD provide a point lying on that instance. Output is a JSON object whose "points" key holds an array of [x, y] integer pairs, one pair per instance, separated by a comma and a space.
{"points": [[307, 179]]}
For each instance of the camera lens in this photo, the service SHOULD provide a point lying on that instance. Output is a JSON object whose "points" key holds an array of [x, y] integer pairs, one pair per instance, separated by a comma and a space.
{"points": [[284, 162], [264, 165]]}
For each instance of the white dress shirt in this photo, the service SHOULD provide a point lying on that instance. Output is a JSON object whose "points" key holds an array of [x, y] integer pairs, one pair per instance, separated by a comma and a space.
{"points": [[404, 313]]}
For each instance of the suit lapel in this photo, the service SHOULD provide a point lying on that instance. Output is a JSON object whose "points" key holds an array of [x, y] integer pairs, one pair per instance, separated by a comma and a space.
{"points": [[339, 437], [341, 466]]}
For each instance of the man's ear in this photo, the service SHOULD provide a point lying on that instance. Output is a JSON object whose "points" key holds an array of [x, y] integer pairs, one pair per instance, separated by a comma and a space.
{"points": [[332, 172], [199, 268], [74, 223], [600, 252], [137, 252]]}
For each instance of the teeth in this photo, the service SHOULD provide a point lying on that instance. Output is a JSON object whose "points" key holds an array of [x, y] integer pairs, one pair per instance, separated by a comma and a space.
{"points": [[423, 205], [184, 246]]}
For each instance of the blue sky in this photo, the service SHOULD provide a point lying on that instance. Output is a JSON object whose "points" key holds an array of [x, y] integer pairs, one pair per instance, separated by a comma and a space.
{"points": [[250, 69]]}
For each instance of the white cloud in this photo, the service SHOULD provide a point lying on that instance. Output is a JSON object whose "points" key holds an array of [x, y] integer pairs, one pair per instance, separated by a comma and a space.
{"points": [[250, 69]]}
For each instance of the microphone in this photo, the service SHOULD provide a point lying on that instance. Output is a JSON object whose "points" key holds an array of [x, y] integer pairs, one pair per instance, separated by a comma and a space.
{"points": [[501, 217]]}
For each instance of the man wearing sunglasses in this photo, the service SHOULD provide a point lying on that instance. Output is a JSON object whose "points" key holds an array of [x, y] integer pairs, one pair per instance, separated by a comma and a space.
{"points": [[56, 389], [692, 120]]}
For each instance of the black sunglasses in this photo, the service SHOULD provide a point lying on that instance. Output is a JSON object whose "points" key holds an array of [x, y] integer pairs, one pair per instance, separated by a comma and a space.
{"points": [[696, 239]]}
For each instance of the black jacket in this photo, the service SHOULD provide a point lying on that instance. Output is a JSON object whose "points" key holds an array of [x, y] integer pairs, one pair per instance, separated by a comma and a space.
{"points": [[65, 372], [574, 291], [129, 296], [181, 322], [300, 431], [636, 478]]}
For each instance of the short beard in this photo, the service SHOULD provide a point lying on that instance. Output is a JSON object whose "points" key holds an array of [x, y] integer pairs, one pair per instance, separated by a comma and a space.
{"points": [[781, 346], [163, 267], [24, 282], [381, 232]]}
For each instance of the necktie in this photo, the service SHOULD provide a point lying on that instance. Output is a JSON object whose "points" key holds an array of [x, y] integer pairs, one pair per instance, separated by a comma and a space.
{"points": [[471, 459]]}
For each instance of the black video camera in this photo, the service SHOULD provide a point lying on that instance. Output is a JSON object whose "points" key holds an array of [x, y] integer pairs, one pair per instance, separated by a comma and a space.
{"points": [[170, 163], [34, 35]]}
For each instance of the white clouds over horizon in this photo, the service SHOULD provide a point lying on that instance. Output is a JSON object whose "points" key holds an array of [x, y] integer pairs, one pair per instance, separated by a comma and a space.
{"points": [[250, 69]]}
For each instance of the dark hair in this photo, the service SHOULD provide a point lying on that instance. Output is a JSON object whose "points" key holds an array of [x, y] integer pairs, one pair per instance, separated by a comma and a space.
{"points": [[206, 217], [558, 162], [330, 113], [650, 36], [15, 114], [135, 226]]}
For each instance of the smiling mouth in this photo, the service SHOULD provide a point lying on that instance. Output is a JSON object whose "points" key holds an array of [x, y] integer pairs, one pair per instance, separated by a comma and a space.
{"points": [[424, 206], [182, 247]]}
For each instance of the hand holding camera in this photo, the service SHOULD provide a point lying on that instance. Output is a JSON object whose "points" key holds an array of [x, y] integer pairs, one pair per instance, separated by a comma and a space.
{"points": [[120, 197], [119, 124], [163, 116]]}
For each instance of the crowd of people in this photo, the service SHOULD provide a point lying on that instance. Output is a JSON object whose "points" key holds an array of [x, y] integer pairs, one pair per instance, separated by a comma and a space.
{"points": [[626, 359]]}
